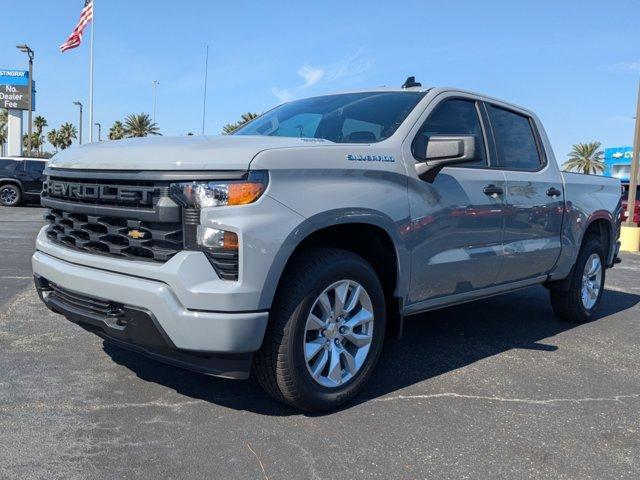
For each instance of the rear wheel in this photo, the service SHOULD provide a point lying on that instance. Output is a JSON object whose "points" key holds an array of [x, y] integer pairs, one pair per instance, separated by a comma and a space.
{"points": [[10, 195], [582, 300], [326, 330]]}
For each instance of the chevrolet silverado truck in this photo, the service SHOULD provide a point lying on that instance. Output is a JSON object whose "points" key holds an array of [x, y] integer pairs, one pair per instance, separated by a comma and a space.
{"points": [[291, 249]]}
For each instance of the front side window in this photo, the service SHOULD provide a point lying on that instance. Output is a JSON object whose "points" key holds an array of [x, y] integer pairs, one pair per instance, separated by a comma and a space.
{"points": [[515, 140], [345, 118], [453, 117]]}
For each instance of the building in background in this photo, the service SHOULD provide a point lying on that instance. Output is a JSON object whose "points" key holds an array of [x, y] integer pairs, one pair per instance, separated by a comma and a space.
{"points": [[618, 163]]}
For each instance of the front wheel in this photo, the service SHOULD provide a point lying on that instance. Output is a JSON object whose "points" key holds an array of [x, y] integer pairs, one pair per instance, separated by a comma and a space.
{"points": [[326, 330], [581, 301]]}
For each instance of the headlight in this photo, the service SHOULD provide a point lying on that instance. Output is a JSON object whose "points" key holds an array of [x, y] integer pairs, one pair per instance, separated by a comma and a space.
{"points": [[221, 193]]}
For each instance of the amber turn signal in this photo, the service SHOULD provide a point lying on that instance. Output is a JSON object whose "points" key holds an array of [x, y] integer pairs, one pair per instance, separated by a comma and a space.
{"points": [[243, 193]]}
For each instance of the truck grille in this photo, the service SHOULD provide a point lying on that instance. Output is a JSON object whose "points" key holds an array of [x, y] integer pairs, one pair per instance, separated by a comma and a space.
{"points": [[129, 215], [115, 236]]}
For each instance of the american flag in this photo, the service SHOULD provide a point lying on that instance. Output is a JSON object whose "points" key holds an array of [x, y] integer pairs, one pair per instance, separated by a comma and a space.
{"points": [[75, 38]]}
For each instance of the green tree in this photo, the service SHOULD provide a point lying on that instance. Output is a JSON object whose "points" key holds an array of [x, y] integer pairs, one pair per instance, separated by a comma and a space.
{"points": [[229, 128], [116, 132], [66, 135], [39, 123], [3, 129], [140, 126], [36, 141], [585, 158], [52, 138]]}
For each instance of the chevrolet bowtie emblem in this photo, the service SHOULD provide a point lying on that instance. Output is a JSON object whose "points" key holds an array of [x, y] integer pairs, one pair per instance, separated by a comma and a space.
{"points": [[136, 234]]}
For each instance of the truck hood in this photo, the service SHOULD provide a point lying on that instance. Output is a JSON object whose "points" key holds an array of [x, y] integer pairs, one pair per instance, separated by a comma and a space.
{"points": [[229, 152]]}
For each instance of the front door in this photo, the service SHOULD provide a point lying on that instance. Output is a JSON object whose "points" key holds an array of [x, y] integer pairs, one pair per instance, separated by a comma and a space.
{"points": [[534, 197], [457, 222]]}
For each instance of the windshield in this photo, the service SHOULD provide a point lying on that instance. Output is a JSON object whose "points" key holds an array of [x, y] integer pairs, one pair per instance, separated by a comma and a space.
{"points": [[345, 118]]}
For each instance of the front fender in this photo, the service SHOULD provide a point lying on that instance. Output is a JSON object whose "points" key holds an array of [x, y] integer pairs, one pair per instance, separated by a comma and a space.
{"points": [[331, 218]]}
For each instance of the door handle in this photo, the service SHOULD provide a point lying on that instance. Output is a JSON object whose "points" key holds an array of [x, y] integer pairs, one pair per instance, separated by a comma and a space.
{"points": [[554, 192], [493, 190]]}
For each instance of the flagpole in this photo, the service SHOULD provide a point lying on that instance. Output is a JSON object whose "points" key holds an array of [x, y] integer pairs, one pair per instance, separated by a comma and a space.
{"points": [[93, 27]]}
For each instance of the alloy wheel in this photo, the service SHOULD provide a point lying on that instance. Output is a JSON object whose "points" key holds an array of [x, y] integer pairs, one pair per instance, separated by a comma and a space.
{"points": [[591, 281], [8, 195], [338, 333]]}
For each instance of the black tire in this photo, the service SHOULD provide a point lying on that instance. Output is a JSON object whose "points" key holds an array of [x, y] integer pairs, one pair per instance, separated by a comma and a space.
{"points": [[280, 365], [568, 304], [10, 195]]}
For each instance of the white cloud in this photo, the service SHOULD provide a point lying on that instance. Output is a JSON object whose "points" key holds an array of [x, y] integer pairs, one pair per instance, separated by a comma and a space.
{"points": [[282, 94], [349, 66], [627, 66], [311, 75]]}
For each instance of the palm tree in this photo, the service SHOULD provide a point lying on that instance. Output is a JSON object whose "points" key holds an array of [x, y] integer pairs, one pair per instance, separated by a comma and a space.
{"points": [[229, 128], [3, 138], [39, 122], [586, 158], [66, 134], [52, 138], [116, 132], [3, 129], [36, 141], [140, 126]]}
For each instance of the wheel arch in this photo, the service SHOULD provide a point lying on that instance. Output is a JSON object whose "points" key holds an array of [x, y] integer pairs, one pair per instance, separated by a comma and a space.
{"points": [[370, 234], [15, 181], [601, 224]]}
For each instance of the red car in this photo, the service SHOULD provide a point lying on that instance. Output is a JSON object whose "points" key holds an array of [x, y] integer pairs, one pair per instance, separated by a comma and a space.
{"points": [[636, 213]]}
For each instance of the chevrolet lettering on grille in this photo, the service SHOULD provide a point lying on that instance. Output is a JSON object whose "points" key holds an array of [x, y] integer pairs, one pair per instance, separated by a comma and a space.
{"points": [[81, 191]]}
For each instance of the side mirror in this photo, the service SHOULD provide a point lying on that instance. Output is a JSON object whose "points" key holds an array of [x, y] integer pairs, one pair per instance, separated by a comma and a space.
{"points": [[443, 151]]}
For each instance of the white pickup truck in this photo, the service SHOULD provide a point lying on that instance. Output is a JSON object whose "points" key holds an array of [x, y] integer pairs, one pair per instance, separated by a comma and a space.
{"points": [[292, 248]]}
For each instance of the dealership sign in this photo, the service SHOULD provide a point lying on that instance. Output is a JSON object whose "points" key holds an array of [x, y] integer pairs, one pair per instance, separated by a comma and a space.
{"points": [[14, 90]]}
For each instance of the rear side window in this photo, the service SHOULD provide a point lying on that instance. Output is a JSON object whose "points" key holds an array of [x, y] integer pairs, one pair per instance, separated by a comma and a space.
{"points": [[34, 166], [7, 165], [453, 117], [515, 140]]}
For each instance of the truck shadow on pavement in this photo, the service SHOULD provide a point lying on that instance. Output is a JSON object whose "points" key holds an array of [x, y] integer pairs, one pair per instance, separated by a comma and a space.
{"points": [[433, 344]]}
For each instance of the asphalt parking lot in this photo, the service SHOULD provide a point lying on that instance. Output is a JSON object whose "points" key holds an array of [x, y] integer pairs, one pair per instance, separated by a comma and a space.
{"points": [[497, 388]]}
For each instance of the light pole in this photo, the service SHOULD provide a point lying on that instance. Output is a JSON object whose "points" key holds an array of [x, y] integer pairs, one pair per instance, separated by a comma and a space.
{"points": [[155, 98], [97, 124], [31, 54], [633, 181], [80, 129], [204, 97]]}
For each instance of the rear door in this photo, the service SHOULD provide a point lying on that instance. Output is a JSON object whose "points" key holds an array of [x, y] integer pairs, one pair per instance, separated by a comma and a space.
{"points": [[534, 196], [32, 176]]}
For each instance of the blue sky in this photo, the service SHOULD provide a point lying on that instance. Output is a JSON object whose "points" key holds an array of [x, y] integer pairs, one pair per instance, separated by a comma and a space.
{"points": [[576, 63]]}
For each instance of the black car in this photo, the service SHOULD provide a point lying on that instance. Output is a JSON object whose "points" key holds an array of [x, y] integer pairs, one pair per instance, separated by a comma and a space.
{"points": [[20, 180]]}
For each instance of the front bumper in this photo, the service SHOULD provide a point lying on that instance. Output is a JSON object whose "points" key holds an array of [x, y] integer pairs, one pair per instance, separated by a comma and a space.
{"points": [[137, 330], [152, 306]]}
